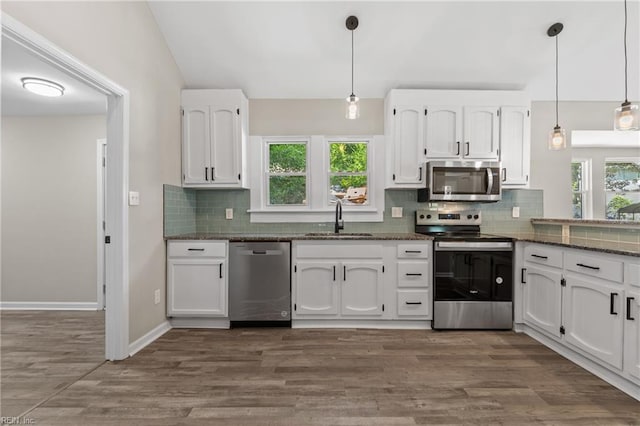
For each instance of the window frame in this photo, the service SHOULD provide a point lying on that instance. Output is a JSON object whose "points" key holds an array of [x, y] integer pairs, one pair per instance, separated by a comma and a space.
{"points": [[587, 187], [317, 210], [268, 174], [329, 173]]}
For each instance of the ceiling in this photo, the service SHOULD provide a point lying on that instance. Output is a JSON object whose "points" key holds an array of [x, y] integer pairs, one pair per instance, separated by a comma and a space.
{"points": [[18, 62], [296, 49]]}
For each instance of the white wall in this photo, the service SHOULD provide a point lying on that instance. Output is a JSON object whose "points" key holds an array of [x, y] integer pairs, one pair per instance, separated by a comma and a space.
{"points": [[49, 213], [122, 41], [551, 170]]}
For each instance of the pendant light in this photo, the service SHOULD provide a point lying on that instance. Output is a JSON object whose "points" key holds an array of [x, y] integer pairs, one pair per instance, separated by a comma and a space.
{"points": [[557, 137], [626, 115], [353, 108]]}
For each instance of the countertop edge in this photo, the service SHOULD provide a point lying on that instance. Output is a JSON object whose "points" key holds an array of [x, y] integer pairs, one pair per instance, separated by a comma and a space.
{"points": [[300, 237]]}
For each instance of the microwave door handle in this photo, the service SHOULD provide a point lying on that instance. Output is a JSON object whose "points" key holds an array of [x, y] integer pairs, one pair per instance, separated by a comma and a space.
{"points": [[489, 181]]}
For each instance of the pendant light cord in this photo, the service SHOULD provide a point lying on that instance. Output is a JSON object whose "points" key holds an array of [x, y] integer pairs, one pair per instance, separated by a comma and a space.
{"points": [[556, 37], [625, 52], [352, 63]]}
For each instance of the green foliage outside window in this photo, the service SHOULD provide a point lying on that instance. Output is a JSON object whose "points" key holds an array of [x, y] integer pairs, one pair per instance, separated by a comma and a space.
{"points": [[287, 174], [347, 166], [616, 203]]}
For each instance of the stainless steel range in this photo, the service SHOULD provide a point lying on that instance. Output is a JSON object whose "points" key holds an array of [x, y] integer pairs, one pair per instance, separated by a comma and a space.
{"points": [[472, 273]]}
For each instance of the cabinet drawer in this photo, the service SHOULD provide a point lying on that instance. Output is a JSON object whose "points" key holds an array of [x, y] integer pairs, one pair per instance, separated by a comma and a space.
{"points": [[417, 251], [543, 255], [413, 274], [339, 250], [197, 248], [607, 269], [413, 303]]}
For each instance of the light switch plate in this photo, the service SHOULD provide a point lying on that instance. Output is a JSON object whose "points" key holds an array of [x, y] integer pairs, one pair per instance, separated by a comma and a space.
{"points": [[515, 212], [134, 198], [396, 211], [228, 213]]}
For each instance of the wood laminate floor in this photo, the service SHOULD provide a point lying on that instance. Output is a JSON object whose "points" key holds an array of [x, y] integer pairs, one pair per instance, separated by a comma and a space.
{"points": [[44, 351], [339, 377]]}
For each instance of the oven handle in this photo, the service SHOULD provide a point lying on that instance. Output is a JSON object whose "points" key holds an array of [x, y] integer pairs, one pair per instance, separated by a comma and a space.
{"points": [[473, 245]]}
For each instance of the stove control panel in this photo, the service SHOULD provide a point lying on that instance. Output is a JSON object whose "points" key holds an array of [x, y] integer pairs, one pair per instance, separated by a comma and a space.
{"points": [[446, 217]]}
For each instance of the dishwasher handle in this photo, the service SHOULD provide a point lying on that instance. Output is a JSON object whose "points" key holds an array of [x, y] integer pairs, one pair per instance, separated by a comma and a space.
{"points": [[260, 252]]}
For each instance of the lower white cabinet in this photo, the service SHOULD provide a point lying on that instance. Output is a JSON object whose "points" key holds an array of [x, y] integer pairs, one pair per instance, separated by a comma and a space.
{"points": [[593, 317], [197, 278], [316, 288], [632, 334], [541, 295], [361, 288]]}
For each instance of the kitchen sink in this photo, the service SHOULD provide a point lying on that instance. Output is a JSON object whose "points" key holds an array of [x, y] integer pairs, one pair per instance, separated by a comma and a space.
{"points": [[334, 235]]}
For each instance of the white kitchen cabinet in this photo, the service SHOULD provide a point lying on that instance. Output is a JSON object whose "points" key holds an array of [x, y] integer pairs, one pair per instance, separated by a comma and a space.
{"points": [[408, 149], [481, 133], [337, 280], [515, 145], [593, 317], [542, 295], [361, 288], [443, 131], [197, 279], [632, 334], [413, 281], [316, 288], [214, 133]]}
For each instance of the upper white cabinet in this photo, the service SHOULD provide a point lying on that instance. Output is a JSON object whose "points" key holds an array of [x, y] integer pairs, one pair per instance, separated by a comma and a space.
{"points": [[515, 145], [423, 125], [215, 127]]}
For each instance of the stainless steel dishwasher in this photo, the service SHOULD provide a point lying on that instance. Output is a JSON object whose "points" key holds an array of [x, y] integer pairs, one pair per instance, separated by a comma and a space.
{"points": [[260, 284]]}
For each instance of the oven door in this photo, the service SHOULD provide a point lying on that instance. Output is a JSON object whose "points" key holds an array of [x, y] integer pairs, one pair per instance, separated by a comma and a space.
{"points": [[473, 285], [463, 181]]}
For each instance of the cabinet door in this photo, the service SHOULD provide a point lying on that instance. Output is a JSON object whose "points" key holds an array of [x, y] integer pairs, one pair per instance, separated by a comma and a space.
{"points": [[542, 296], [480, 132], [316, 289], [361, 289], [196, 287], [515, 136], [632, 334], [443, 131], [594, 317], [225, 144], [195, 145], [408, 142]]}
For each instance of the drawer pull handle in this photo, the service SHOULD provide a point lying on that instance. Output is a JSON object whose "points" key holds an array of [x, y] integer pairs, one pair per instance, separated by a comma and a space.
{"points": [[413, 251], [612, 302], [413, 303], [411, 274], [595, 268], [539, 257], [629, 317], [196, 249]]}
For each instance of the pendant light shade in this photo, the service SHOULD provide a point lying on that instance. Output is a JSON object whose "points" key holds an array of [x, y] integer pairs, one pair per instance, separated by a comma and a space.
{"points": [[557, 137], [353, 107], [627, 116]]}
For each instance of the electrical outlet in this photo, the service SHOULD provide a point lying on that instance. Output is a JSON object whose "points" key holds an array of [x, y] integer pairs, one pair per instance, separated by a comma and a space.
{"points": [[156, 296], [396, 211], [515, 212], [134, 198], [228, 213]]}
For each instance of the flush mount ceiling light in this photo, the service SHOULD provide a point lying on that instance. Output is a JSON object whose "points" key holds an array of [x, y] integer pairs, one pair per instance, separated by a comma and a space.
{"points": [[557, 137], [42, 87], [626, 115], [353, 109]]}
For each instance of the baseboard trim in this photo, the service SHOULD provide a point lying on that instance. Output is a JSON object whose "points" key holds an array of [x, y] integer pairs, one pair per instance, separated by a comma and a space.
{"points": [[200, 322], [372, 324], [50, 306], [148, 338]]}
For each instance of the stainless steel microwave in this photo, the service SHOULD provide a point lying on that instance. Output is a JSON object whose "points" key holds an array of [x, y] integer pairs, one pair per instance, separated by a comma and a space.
{"points": [[477, 181]]}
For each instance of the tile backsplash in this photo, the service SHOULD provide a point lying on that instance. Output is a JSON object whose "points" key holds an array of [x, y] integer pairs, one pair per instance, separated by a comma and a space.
{"points": [[189, 210]]}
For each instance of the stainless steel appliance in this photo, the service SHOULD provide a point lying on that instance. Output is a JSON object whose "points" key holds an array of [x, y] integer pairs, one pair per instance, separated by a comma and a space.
{"points": [[472, 272], [260, 284], [462, 181]]}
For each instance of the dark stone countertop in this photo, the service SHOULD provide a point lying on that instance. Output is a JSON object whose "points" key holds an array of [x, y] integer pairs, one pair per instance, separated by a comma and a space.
{"points": [[589, 222], [309, 236], [602, 246]]}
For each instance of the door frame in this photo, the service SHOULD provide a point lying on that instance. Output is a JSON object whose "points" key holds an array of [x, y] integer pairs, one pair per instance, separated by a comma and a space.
{"points": [[101, 174], [117, 168]]}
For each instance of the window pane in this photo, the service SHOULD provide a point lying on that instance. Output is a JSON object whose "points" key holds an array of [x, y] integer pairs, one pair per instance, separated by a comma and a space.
{"points": [[287, 190], [352, 190], [576, 177], [577, 206], [348, 157], [622, 176], [287, 158]]}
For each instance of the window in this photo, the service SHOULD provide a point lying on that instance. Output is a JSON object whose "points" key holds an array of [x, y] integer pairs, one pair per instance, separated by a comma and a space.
{"points": [[580, 188], [287, 173], [348, 175], [300, 178], [622, 187]]}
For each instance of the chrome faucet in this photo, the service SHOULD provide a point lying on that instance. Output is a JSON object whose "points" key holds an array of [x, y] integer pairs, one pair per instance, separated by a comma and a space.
{"points": [[339, 220]]}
